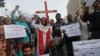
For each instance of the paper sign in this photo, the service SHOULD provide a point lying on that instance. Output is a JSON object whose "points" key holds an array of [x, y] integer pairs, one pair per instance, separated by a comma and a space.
{"points": [[72, 29], [14, 31], [28, 17], [45, 55], [87, 48], [89, 2]]}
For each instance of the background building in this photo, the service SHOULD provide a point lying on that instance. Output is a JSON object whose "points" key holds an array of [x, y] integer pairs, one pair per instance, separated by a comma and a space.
{"points": [[73, 6]]}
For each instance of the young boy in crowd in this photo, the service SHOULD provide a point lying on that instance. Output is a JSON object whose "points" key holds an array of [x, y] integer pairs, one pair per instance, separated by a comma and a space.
{"points": [[27, 50]]}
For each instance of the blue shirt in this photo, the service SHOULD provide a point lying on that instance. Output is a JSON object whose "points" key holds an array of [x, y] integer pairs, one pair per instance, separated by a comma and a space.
{"points": [[25, 39]]}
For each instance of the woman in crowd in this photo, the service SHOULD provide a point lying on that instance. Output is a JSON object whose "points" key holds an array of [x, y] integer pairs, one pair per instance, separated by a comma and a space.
{"points": [[9, 42], [23, 40], [43, 35]]}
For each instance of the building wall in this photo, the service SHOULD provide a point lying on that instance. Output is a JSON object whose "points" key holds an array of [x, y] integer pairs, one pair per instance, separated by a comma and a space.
{"points": [[73, 6]]}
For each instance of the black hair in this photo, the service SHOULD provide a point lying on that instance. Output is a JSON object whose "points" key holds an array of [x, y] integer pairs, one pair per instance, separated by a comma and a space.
{"points": [[26, 46], [7, 19], [58, 14], [19, 17], [35, 17], [96, 2], [45, 20]]}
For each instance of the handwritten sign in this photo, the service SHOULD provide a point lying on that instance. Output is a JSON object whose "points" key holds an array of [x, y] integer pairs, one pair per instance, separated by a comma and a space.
{"points": [[14, 31], [89, 2], [72, 29], [45, 55], [87, 48]]}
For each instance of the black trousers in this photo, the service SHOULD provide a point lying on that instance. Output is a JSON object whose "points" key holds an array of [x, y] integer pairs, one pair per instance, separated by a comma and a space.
{"points": [[69, 44], [95, 34]]}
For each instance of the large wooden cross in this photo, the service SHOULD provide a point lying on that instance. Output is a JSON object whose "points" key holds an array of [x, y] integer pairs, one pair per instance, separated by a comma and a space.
{"points": [[46, 11]]}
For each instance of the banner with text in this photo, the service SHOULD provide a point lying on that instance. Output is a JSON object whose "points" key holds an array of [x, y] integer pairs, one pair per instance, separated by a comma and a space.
{"points": [[72, 29], [45, 55], [87, 48], [14, 31], [89, 2]]}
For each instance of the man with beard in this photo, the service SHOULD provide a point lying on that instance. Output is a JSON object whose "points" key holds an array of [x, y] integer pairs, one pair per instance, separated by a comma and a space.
{"points": [[57, 33], [27, 50], [94, 20]]}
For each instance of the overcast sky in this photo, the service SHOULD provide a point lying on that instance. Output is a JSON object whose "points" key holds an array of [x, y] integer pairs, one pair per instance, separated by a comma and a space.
{"points": [[30, 6]]}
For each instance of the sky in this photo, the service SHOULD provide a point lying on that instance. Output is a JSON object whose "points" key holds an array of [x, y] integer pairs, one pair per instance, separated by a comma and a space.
{"points": [[30, 6]]}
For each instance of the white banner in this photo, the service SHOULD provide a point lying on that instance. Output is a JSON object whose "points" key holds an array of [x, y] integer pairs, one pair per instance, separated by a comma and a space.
{"points": [[45, 55], [89, 2], [28, 17], [72, 29], [87, 48], [14, 31]]}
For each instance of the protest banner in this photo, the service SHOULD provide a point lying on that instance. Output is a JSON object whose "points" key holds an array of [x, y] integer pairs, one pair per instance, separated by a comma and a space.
{"points": [[89, 2], [72, 29], [45, 55], [14, 31], [87, 48], [28, 17]]}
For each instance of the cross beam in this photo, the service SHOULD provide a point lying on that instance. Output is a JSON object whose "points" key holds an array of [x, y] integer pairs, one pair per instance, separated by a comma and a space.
{"points": [[46, 11]]}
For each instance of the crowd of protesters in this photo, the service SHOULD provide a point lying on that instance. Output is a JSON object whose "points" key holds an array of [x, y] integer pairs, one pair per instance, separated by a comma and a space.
{"points": [[47, 35]]}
